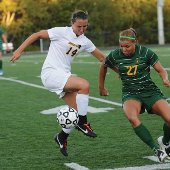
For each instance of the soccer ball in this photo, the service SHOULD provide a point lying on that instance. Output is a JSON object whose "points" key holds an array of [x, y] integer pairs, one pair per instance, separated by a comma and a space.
{"points": [[67, 117]]}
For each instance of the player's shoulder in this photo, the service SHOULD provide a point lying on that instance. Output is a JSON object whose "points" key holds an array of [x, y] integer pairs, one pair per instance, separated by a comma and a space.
{"points": [[143, 50], [141, 47], [85, 41], [114, 53], [58, 29], [84, 38]]}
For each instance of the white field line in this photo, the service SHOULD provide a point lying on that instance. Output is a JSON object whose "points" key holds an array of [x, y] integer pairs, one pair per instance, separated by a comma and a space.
{"points": [[146, 167], [160, 166], [41, 87], [75, 166], [167, 69], [105, 101], [22, 82]]}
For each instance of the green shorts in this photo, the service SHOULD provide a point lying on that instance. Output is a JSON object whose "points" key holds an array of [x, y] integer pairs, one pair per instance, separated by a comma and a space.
{"points": [[147, 100]]}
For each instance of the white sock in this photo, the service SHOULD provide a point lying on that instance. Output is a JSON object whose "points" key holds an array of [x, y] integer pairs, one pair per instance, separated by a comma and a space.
{"points": [[82, 101]]}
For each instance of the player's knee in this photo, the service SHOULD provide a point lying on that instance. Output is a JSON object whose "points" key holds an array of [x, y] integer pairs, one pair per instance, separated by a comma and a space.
{"points": [[85, 86], [134, 121]]}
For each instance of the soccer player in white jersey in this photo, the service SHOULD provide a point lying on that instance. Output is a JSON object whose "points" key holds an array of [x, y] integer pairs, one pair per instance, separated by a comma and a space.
{"points": [[66, 43]]}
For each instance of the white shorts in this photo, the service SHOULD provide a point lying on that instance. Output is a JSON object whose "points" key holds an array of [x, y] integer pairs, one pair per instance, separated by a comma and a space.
{"points": [[54, 80]]}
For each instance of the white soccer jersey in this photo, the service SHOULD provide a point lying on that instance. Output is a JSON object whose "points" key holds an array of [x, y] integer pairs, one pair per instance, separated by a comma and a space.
{"points": [[64, 46]]}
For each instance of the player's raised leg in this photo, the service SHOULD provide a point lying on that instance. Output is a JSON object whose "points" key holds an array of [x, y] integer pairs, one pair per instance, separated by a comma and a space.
{"points": [[79, 100]]}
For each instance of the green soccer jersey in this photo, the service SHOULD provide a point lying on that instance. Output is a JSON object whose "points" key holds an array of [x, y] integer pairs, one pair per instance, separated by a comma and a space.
{"points": [[134, 71]]}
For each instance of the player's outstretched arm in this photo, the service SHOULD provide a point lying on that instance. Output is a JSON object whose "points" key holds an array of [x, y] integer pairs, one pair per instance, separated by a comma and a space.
{"points": [[102, 75], [98, 54], [32, 38], [163, 73]]}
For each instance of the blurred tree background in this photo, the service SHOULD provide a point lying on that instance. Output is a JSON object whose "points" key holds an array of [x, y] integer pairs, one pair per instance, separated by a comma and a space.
{"points": [[106, 18]]}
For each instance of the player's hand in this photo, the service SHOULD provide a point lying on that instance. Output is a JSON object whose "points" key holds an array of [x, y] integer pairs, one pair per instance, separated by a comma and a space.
{"points": [[166, 83], [103, 92], [16, 55]]}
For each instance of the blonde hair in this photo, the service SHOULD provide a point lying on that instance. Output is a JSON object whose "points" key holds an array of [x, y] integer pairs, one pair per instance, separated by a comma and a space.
{"points": [[128, 34]]}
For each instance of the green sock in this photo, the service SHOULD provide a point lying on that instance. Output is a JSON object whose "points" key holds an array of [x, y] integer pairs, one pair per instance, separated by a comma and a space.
{"points": [[166, 137], [143, 133], [0, 64]]}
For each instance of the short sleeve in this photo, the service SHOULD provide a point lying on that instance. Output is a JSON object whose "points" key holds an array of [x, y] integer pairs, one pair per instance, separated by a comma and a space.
{"points": [[152, 57], [55, 33], [90, 47], [110, 61]]}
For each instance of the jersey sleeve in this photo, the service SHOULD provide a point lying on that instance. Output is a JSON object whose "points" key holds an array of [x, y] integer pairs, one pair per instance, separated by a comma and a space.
{"points": [[55, 33], [152, 57], [109, 61], [90, 47]]}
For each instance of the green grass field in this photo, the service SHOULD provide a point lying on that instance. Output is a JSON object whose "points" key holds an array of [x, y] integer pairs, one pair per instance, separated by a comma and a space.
{"points": [[26, 135]]}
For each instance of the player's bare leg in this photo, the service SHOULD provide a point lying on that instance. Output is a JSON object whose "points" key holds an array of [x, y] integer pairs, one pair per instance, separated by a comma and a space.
{"points": [[77, 96]]}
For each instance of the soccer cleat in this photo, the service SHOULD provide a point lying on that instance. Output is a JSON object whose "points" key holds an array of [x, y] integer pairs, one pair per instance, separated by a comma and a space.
{"points": [[161, 154], [62, 144], [166, 148], [86, 129]]}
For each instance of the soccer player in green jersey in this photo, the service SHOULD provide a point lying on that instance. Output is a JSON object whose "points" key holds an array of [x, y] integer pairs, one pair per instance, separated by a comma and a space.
{"points": [[3, 38], [132, 62]]}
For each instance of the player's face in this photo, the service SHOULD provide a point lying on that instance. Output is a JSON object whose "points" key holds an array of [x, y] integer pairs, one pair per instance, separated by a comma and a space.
{"points": [[127, 47], [80, 26]]}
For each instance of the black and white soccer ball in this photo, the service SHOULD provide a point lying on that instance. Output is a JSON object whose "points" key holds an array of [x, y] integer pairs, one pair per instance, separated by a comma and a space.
{"points": [[67, 117]]}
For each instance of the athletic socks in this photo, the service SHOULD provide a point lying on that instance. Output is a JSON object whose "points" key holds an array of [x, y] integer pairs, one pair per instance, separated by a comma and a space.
{"points": [[143, 133], [82, 101], [166, 136], [82, 120], [62, 135]]}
